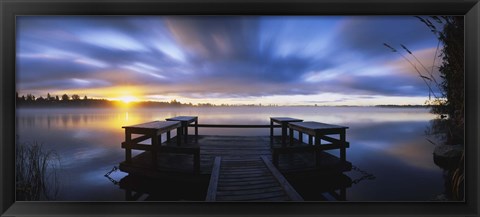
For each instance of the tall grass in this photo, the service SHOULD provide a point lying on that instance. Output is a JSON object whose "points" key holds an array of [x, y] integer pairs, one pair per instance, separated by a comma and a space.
{"points": [[448, 94], [36, 173]]}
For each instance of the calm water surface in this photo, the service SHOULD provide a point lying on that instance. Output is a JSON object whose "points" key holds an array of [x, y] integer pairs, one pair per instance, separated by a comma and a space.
{"points": [[389, 143]]}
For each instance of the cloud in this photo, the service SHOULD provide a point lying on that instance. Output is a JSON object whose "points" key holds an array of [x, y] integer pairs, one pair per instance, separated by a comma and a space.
{"points": [[211, 38], [228, 56], [367, 34]]}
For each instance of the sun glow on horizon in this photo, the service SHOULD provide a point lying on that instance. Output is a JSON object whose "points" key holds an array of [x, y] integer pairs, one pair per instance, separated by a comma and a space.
{"points": [[127, 99]]}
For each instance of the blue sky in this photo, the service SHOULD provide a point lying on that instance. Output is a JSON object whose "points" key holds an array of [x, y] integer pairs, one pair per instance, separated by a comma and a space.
{"points": [[285, 60]]}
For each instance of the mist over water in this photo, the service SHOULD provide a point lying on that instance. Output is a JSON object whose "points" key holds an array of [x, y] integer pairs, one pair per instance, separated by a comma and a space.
{"points": [[389, 143]]}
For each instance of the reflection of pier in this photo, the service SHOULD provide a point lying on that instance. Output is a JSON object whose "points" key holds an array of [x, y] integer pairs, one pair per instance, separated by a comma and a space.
{"points": [[246, 172]]}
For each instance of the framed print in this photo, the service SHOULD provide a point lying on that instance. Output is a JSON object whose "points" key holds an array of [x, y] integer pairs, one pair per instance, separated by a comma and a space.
{"points": [[239, 108]]}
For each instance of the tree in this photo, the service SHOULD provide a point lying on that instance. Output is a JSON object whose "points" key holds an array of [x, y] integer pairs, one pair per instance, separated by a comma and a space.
{"points": [[75, 97], [174, 102], [452, 70], [65, 97], [40, 99], [30, 97], [85, 98]]}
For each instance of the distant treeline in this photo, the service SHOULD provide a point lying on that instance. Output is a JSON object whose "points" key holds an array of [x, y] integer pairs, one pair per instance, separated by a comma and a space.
{"points": [[64, 100], [76, 100], [403, 106]]}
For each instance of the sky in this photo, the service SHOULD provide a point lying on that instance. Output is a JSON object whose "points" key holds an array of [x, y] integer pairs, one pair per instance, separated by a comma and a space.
{"points": [[281, 60]]}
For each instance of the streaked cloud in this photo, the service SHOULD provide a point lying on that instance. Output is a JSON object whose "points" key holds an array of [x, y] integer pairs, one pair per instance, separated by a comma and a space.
{"points": [[232, 58]]}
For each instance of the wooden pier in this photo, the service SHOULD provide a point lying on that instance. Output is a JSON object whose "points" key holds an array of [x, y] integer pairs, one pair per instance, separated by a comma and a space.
{"points": [[239, 168], [229, 148], [249, 180]]}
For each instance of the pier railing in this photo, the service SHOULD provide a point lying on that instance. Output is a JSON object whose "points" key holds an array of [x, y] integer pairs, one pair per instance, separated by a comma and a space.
{"points": [[235, 125]]}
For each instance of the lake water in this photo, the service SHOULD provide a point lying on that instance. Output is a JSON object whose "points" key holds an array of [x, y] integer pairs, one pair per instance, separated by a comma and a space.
{"points": [[388, 143]]}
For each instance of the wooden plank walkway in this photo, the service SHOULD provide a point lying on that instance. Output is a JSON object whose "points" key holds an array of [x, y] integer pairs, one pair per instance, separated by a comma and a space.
{"points": [[248, 180]]}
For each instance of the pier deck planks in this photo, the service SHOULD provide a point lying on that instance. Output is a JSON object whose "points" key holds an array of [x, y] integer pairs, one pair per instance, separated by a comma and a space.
{"points": [[252, 180]]}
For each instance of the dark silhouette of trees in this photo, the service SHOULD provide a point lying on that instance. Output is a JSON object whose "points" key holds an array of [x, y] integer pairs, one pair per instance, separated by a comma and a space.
{"points": [[452, 70], [76, 101], [175, 103], [65, 97], [75, 97], [40, 99], [30, 97], [50, 98]]}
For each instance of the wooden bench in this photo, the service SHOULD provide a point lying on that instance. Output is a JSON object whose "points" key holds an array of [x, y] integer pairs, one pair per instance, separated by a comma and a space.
{"points": [[150, 130], [185, 121], [283, 121], [316, 132]]}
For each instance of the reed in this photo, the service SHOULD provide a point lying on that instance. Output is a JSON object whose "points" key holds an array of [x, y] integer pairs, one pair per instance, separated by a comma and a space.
{"points": [[448, 95], [36, 173]]}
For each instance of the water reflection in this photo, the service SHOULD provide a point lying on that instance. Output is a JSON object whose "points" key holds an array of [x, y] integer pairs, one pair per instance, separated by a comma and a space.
{"points": [[320, 187], [311, 186], [387, 142], [139, 188]]}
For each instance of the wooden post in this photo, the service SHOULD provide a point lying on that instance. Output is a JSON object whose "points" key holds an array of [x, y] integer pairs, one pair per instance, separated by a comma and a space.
{"points": [[160, 140], [196, 129], [317, 139], [284, 133], [310, 139], [168, 136], [275, 156], [154, 148], [271, 134], [318, 143], [300, 137], [343, 152], [271, 129], [128, 151], [179, 135], [186, 131], [291, 136]]}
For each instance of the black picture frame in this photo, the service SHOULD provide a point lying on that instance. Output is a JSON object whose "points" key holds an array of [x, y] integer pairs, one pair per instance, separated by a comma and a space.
{"points": [[11, 8]]}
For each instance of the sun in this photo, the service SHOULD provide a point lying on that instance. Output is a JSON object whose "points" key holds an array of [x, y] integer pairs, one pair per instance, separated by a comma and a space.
{"points": [[127, 99]]}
